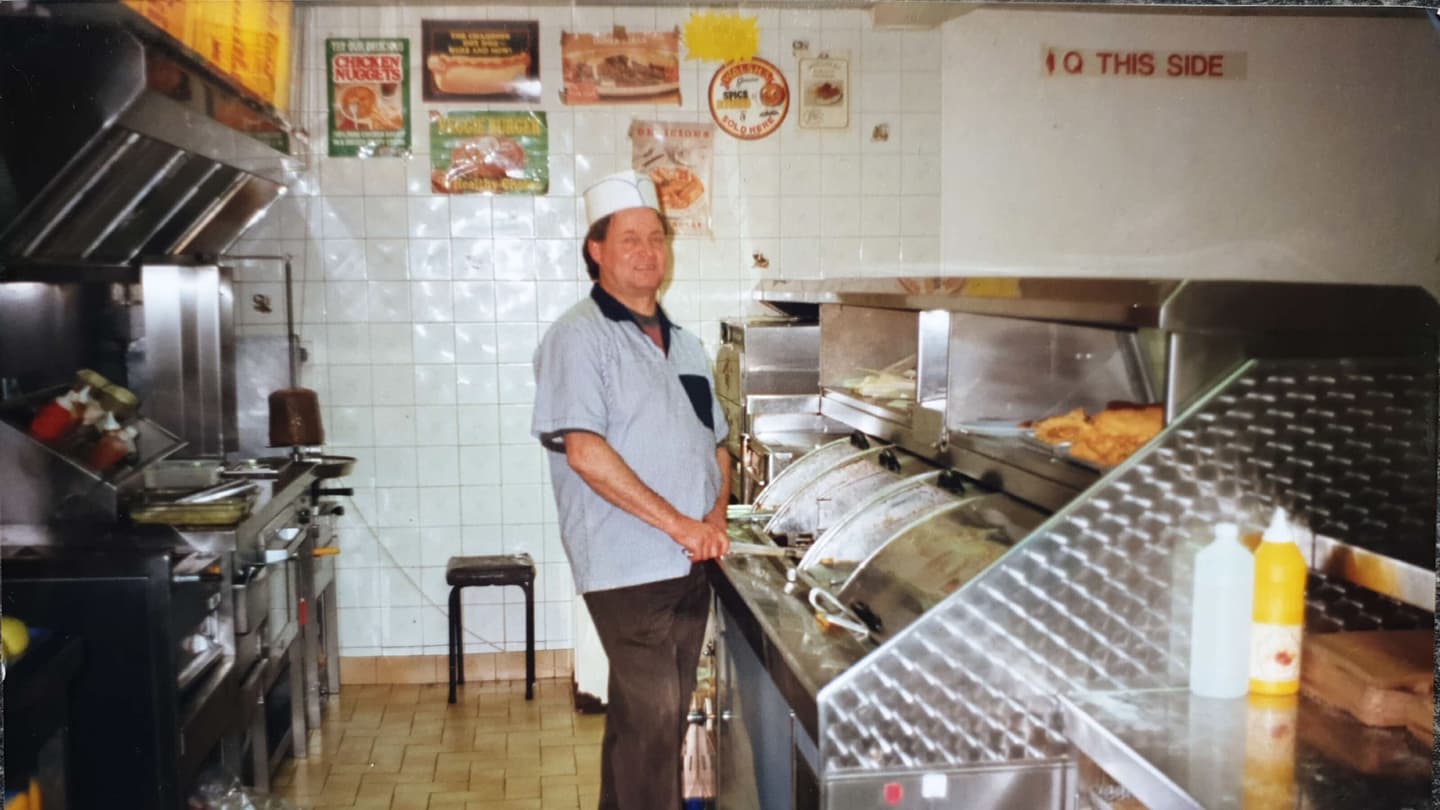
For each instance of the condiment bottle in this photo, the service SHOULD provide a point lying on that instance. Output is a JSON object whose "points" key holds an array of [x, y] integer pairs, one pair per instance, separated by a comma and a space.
{"points": [[1221, 609], [1279, 612], [58, 417], [115, 444]]}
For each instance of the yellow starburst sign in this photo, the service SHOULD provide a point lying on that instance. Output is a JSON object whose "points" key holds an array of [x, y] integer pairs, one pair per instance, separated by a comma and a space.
{"points": [[719, 36]]}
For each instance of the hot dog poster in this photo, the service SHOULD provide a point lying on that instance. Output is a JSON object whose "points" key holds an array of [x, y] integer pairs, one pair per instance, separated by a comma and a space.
{"points": [[369, 95], [623, 67], [489, 153], [484, 60], [678, 157]]}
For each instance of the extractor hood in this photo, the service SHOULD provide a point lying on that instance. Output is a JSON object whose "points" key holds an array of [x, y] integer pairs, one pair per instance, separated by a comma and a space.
{"points": [[98, 166]]}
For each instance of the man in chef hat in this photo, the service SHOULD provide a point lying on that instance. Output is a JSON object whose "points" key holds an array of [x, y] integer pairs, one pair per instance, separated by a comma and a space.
{"points": [[625, 405]]}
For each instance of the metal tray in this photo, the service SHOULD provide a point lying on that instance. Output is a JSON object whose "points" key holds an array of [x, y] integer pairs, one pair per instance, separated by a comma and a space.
{"points": [[218, 513]]}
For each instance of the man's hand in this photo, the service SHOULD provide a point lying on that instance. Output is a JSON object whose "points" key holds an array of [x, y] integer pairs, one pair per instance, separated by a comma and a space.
{"points": [[702, 539]]}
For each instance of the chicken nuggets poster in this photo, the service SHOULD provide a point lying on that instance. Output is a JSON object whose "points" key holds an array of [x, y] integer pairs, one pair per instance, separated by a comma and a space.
{"points": [[489, 153], [369, 95]]}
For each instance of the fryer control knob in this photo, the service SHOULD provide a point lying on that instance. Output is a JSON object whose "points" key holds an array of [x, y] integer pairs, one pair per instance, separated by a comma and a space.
{"points": [[337, 510], [303, 516]]}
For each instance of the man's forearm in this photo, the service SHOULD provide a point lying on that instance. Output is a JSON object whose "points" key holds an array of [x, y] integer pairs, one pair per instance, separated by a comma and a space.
{"points": [[599, 466], [722, 500], [606, 472]]}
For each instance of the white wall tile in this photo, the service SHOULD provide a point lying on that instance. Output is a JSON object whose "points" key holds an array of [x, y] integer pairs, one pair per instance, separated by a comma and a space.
{"points": [[470, 216], [476, 385], [430, 301], [474, 301], [395, 385], [515, 424], [386, 259], [429, 217], [478, 425], [343, 218], [387, 217], [435, 385], [513, 217], [390, 301], [437, 426], [390, 343], [383, 176], [344, 259], [438, 466], [476, 343], [433, 342]]}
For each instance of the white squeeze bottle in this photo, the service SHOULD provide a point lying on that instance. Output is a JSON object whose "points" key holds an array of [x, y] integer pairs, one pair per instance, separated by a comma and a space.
{"points": [[1220, 621]]}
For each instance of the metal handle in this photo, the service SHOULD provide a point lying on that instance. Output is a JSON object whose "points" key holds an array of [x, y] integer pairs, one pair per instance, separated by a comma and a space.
{"points": [[220, 492], [833, 612]]}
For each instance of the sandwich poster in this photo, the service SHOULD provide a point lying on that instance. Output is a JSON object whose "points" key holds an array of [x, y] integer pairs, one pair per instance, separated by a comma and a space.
{"points": [[621, 68], [482, 60], [369, 96], [489, 153]]}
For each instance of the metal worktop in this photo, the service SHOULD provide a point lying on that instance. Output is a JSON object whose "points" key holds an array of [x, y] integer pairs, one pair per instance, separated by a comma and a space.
{"points": [[1173, 750], [800, 655]]}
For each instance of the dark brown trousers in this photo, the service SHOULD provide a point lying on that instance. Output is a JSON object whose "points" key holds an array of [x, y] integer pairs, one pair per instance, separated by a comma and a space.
{"points": [[652, 634]]}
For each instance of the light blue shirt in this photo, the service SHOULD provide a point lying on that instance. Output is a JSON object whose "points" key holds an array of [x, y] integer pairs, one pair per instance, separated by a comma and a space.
{"points": [[596, 371]]}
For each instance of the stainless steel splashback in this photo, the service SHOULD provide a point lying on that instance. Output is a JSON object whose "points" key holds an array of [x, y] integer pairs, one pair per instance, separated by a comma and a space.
{"points": [[186, 374], [1098, 597]]}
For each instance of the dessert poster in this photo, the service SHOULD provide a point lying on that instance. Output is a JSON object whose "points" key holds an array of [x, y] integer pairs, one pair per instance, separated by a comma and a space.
{"points": [[482, 60], [621, 68], [489, 153], [369, 96], [825, 91]]}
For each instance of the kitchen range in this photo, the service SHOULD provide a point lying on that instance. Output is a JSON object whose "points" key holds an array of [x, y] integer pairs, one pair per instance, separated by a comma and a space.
{"points": [[948, 607], [199, 584]]}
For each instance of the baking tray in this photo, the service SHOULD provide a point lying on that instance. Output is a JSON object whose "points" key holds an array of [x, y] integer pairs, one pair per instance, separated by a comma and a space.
{"points": [[217, 513], [1061, 451]]}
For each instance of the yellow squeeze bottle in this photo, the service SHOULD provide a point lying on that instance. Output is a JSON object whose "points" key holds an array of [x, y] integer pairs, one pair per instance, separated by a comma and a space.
{"points": [[1279, 611]]}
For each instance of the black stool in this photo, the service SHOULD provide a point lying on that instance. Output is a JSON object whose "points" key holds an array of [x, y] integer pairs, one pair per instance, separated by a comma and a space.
{"points": [[500, 569]]}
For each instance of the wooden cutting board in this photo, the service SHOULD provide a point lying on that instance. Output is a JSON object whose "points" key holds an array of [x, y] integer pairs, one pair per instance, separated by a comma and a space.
{"points": [[1382, 677]]}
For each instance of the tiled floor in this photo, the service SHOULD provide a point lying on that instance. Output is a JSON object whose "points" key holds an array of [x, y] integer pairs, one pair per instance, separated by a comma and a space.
{"points": [[404, 748]]}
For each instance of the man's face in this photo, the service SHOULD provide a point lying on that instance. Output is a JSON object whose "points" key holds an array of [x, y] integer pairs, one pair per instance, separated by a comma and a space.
{"points": [[633, 257]]}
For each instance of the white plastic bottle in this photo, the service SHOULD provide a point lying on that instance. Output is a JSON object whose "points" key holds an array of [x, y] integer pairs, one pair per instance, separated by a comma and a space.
{"points": [[1220, 620]]}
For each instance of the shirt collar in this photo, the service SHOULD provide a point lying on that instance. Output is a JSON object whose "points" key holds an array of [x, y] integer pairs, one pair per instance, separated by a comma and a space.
{"points": [[611, 308]]}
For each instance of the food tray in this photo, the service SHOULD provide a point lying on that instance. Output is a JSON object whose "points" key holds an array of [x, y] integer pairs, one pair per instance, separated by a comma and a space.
{"points": [[1060, 451], [218, 513]]}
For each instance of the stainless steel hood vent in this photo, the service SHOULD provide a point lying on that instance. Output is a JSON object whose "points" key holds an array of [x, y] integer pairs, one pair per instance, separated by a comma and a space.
{"points": [[96, 167]]}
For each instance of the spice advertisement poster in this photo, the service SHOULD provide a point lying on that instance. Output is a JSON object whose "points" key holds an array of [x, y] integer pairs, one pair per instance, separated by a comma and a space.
{"points": [[749, 99], [622, 67], [825, 91], [369, 96], [489, 153], [678, 156], [481, 60]]}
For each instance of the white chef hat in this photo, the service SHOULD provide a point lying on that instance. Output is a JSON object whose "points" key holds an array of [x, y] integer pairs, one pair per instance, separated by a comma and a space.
{"points": [[627, 189]]}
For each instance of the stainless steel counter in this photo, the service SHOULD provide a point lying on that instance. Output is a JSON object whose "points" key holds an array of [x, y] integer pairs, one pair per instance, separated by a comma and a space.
{"points": [[1172, 750], [776, 620]]}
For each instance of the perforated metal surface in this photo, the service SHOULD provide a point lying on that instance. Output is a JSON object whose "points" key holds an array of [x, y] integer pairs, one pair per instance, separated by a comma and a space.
{"points": [[1098, 598]]}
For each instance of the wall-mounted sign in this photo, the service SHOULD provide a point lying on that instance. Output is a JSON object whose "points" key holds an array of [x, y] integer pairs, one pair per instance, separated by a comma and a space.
{"points": [[1142, 64], [489, 153], [721, 36], [825, 91], [483, 60], [678, 157], [369, 96], [246, 40], [624, 67], [749, 99]]}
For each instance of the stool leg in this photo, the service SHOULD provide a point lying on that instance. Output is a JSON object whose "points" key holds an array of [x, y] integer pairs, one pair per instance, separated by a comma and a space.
{"points": [[529, 640], [457, 649], [460, 634]]}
